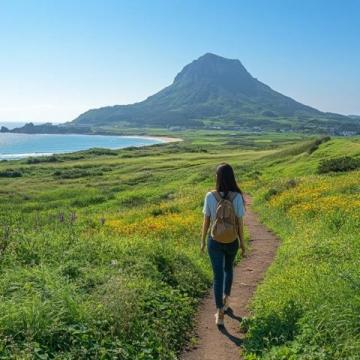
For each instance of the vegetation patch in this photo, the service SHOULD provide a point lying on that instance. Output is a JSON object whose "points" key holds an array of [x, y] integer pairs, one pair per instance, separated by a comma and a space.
{"points": [[281, 186], [308, 147], [76, 173], [11, 173], [307, 305], [272, 330], [101, 151], [42, 159], [340, 164], [109, 266], [316, 143]]}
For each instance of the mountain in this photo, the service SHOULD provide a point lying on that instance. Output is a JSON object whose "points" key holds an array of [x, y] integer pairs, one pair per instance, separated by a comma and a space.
{"points": [[211, 91], [211, 88]]}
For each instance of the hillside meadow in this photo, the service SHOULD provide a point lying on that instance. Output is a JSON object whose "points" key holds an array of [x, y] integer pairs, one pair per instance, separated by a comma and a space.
{"points": [[308, 306], [99, 250]]}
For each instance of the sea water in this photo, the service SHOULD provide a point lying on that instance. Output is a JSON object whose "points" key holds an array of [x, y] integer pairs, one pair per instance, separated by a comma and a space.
{"points": [[17, 146]]}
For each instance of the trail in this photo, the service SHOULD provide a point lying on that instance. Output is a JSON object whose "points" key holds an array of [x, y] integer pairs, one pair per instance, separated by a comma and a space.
{"points": [[225, 344]]}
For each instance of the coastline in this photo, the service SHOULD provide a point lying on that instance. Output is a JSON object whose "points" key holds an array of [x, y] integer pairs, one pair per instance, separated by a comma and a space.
{"points": [[162, 138], [43, 152]]}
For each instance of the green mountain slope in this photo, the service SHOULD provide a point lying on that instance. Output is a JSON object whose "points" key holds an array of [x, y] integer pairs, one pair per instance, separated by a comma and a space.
{"points": [[212, 90]]}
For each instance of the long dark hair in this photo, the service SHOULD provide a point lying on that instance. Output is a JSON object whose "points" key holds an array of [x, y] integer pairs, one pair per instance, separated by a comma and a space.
{"points": [[225, 180]]}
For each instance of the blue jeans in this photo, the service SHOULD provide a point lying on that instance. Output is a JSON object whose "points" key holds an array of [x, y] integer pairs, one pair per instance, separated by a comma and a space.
{"points": [[222, 258]]}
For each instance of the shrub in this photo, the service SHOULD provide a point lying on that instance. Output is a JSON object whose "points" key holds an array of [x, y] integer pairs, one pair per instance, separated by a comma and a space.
{"points": [[101, 151], [42, 159], [345, 163], [270, 193], [269, 113], [76, 173], [315, 144], [11, 173], [289, 184]]}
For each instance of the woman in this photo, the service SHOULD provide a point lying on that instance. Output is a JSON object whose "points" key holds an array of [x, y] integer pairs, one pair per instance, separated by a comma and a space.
{"points": [[222, 255]]}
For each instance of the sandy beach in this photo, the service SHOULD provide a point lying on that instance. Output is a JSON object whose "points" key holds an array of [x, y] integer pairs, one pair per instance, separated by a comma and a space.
{"points": [[165, 139]]}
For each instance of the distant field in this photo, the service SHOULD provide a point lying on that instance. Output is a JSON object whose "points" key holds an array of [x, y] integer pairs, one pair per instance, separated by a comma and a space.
{"points": [[100, 249]]}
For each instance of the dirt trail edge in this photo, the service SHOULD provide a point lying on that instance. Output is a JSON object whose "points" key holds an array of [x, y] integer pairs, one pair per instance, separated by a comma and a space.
{"points": [[225, 344]]}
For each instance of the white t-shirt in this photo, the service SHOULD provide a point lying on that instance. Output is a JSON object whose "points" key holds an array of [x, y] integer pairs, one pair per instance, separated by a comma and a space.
{"points": [[210, 205]]}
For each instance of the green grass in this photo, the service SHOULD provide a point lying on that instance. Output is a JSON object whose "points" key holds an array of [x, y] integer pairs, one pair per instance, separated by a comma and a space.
{"points": [[308, 306], [99, 250]]}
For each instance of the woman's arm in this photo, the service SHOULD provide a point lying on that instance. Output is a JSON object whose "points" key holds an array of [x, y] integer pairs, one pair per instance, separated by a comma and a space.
{"points": [[205, 228], [241, 235]]}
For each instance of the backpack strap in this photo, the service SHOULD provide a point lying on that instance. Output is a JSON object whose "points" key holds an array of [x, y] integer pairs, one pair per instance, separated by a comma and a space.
{"points": [[217, 196], [232, 195]]}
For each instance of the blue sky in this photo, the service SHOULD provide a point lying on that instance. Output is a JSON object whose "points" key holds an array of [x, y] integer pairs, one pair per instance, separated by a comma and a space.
{"points": [[60, 58]]}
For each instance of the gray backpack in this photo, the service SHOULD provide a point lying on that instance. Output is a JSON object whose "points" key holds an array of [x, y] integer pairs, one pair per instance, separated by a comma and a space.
{"points": [[225, 226]]}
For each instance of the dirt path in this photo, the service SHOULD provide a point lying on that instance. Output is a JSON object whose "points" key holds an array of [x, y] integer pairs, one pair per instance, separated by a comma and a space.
{"points": [[225, 344]]}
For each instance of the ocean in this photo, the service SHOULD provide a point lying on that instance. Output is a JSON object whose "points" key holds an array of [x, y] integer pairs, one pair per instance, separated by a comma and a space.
{"points": [[17, 146]]}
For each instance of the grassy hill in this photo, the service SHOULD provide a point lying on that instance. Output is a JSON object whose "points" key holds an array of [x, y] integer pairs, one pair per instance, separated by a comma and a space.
{"points": [[100, 257], [307, 307]]}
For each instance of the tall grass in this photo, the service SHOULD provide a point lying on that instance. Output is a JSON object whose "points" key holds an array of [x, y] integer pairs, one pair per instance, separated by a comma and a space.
{"points": [[99, 251], [308, 306]]}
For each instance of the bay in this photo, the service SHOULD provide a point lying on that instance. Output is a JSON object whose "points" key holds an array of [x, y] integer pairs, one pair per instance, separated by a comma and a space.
{"points": [[17, 146]]}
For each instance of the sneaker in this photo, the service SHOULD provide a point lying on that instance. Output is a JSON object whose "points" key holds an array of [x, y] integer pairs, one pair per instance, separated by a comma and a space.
{"points": [[219, 318]]}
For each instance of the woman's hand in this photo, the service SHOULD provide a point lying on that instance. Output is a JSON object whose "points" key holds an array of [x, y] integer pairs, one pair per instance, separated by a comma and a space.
{"points": [[243, 251], [242, 248], [241, 236], [205, 228], [202, 246]]}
